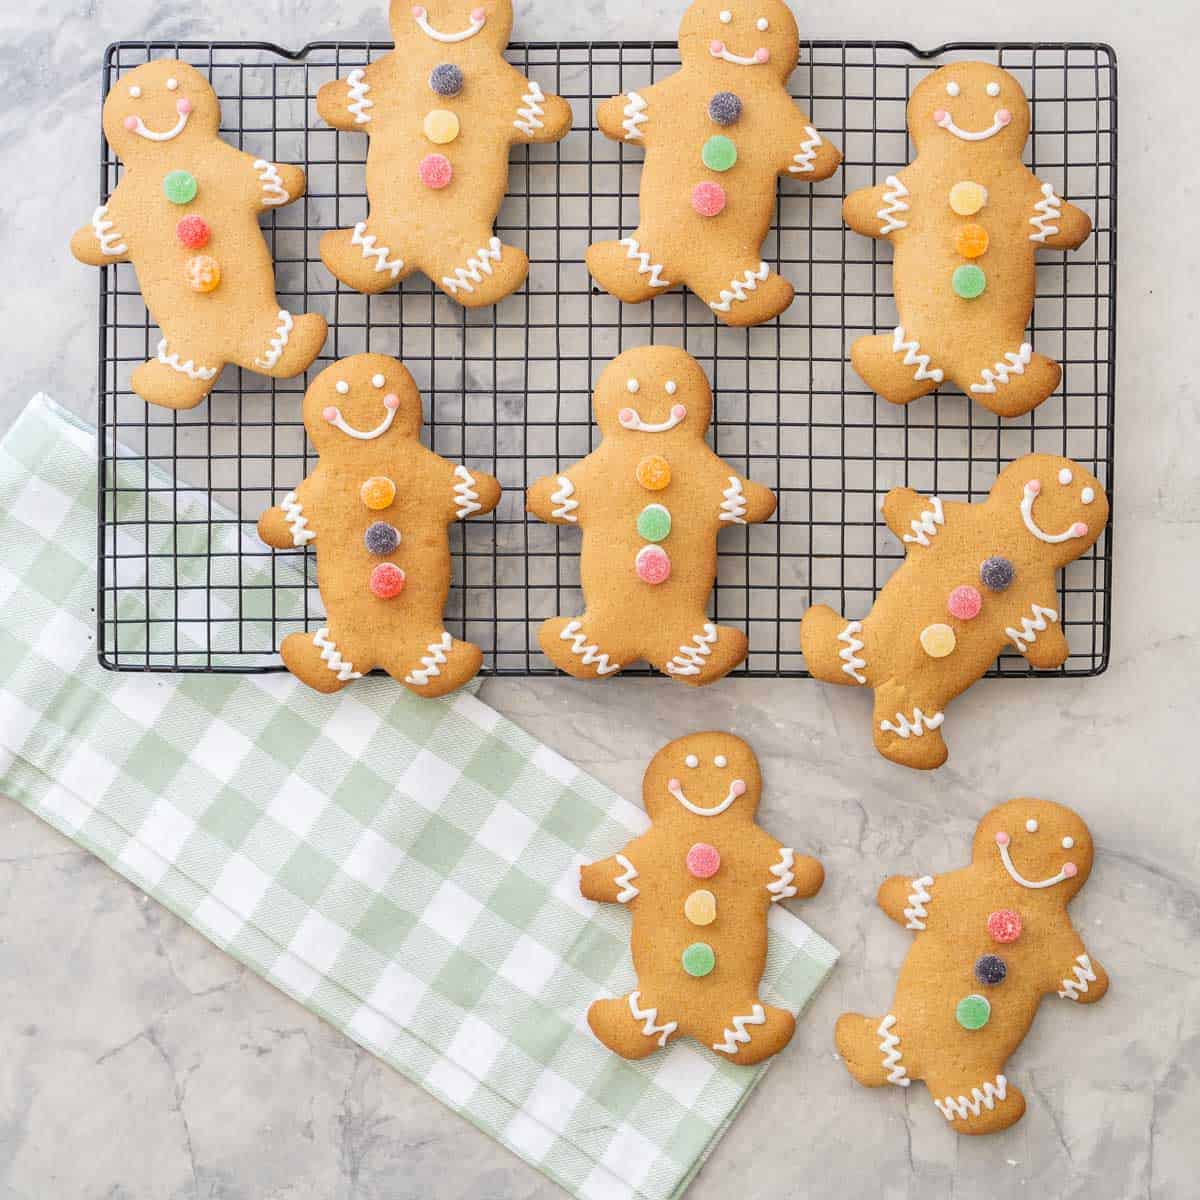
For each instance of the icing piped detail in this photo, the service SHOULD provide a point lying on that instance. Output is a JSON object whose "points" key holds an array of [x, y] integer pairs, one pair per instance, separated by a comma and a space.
{"points": [[1032, 884], [690, 659], [645, 266], [738, 60], [927, 524], [802, 163], [467, 496], [370, 249], [737, 1036], [890, 1046], [1072, 989], [564, 499], [1033, 489], [917, 727], [1015, 364], [138, 126], [478, 20], [625, 882], [852, 665], [635, 117], [273, 191], [977, 135], [893, 203], [914, 358], [194, 373], [529, 119], [733, 507], [917, 899], [650, 1017], [1047, 209], [432, 663], [782, 888], [1024, 637], [591, 655], [332, 658], [736, 788], [111, 242], [465, 278], [741, 289], [358, 103], [293, 510], [964, 1106], [278, 342], [636, 425], [361, 435]]}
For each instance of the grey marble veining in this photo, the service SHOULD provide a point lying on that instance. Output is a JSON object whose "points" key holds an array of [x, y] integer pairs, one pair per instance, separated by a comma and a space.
{"points": [[138, 1063]]}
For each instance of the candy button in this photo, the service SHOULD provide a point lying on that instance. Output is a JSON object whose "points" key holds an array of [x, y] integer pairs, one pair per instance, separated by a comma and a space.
{"points": [[708, 199], [967, 198], [441, 126], [969, 282], [653, 565], [965, 603], [703, 861], [719, 153], [382, 539], [654, 473], [938, 641], [725, 108], [435, 171], [699, 960], [700, 908], [387, 581], [997, 574], [1004, 926], [973, 1012], [654, 523], [446, 79], [991, 969], [180, 187], [203, 273], [378, 493], [971, 241], [193, 232]]}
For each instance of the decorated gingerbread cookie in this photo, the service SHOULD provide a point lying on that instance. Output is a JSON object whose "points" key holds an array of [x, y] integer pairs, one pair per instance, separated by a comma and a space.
{"points": [[699, 884], [377, 511], [991, 940], [650, 500], [185, 214], [966, 220], [442, 111], [977, 578], [717, 136]]}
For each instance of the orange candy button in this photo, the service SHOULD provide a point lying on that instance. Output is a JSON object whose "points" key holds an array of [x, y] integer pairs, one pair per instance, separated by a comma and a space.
{"points": [[972, 241], [654, 473], [203, 273], [378, 493]]}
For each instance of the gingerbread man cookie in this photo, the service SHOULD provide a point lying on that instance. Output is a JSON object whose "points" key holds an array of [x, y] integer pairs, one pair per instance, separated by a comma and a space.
{"points": [[991, 941], [650, 500], [977, 577], [699, 884], [717, 136], [377, 510], [442, 111], [966, 220], [185, 214]]}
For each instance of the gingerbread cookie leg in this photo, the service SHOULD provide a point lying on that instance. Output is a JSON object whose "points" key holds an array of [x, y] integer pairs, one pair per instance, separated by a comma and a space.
{"points": [[281, 345], [833, 647], [908, 730], [367, 258], [632, 1026], [752, 1031], [477, 271], [321, 661], [179, 377], [700, 652], [872, 1049], [441, 665], [895, 367], [577, 647], [628, 269], [985, 1103], [740, 293], [1015, 381]]}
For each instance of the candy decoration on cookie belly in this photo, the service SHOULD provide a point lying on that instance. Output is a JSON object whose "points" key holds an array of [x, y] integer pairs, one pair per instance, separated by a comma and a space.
{"points": [[202, 273], [436, 172], [653, 565], [709, 199], [193, 233], [180, 187]]}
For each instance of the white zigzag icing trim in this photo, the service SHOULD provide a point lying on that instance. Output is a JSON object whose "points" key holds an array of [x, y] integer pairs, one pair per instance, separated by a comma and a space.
{"points": [[650, 1016], [1015, 365], [917, 899], [111, 242], [972, 1105], [733, 507], [464, 278], [1072, 989], [782, 888], [529, 118], [625, 882], [331, 656], [905, 728], [189, 368], [852, 665], [270, 360], [690, 659], [370, 249], [429, 668], [358, 103], [1024, 637], [635, 117], [645, 266], [926, 525], [297, 521], [468, 497], [1048, 209], [890, 1046], [590, 654], [893, 203], [802, 163], [273, 191], [741, 289], [563, 498], [914, 358], [737, 1036]]}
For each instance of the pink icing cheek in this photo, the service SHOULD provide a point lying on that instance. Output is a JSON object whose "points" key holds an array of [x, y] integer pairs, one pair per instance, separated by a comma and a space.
{"points": [[1079, 530], [1004, 117], [679, 412], [1070, 870], [131, 123], [737, 787], [1033, 487], [627, 416], [762, 55], [1002, 839], [392, 401], [478, 14], [331, 415], [940, 115], [672, 785], [716, 49], [183, 107], [418, 12]]}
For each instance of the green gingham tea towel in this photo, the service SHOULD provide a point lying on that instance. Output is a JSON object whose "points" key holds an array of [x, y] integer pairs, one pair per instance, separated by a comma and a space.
{"points": [[405, 868]]}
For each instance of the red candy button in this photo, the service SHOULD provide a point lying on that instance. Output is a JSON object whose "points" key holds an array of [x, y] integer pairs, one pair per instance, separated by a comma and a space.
{"points": [[703, 861], [965, 603], [436, 171], [653, 565], [193, 232], [708, 199], [387, 581], [1004, 926]]}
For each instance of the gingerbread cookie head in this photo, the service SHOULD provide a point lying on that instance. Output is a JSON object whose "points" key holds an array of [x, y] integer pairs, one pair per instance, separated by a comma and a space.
{"points": [[658, 390], [459, 25], [369, 398], [160, 110], [969, 104], [755, 35], [705, 777], [1037, 845]]}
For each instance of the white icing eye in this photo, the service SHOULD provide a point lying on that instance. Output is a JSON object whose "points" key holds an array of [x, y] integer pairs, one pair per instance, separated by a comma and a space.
{"points": [[1065, 476], [1031, 825], [692, 761], [1089, 496], [343, 387], [672, 387], [172, 85], [378, 381], [763, 24], [952, 89], [634, 386], [1068, 843], [720, 761], [993, 89], [726, 17], [135, 92]]}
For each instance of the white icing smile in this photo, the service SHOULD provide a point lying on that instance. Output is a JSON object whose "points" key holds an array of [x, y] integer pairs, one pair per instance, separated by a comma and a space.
{"points": [[1033, 489], [138, 126], [736, 788], [630, 419], [945, 121], [1069, 870], [478, 20], [335, 418], [718, 49]]}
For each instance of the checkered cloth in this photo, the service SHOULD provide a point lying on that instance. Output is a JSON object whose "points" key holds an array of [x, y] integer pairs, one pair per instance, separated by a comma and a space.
{"points": [[406, 869]]}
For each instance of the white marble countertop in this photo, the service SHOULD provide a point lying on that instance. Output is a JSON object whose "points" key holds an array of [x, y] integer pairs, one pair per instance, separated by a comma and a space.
{"points": [[139, 1063]]}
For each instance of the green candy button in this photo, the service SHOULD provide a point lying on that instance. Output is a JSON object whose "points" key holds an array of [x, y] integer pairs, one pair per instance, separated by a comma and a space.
{"points": [[654, 523], [973, 1012], [719, 153], [180, 187], [699, 960], [969, 282]]}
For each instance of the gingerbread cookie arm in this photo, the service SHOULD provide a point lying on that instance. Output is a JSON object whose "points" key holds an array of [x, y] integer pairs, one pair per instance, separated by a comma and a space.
{"points": [[1039, 636], [879, 211], [1083, 979], [289, 525], [810, 157], [906, 899], [555, 498], [471, 493], [625, 118], [278, 184], [611, 881], [744, 502], [101, 241], [915, 519], [537, 116], [346, 104], [1057, 224], [791, 874]]}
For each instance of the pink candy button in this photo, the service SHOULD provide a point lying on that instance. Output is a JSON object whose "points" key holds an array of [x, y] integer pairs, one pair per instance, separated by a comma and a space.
{"points": [[653, 565], [703, 861], [965, 603], [1004, 926], [708, 199], [436, 171]]}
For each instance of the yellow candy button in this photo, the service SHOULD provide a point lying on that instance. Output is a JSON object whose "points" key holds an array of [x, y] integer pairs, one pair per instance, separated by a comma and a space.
{"points": [[938, 641], [441, 126], [203, 273], [972, 241], [378, 493], [700, 908], [654, 473], [967, 198]]}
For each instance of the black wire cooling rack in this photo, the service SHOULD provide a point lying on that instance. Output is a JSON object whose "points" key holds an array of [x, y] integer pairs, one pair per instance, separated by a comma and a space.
{"points": [[184, 584]]}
